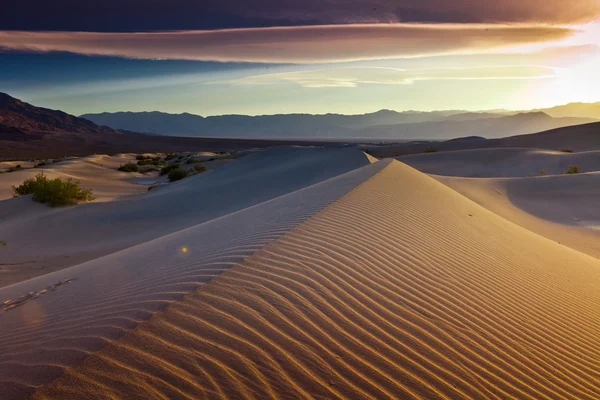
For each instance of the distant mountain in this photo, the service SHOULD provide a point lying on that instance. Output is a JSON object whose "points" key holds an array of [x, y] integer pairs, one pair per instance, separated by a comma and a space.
{"points": [[580, 110], [17, 114], [384, 124], [489, 127]]}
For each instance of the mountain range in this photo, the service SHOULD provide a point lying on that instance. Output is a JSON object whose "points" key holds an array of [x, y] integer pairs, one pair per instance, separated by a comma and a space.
{"points": [[383, 124], [18, 118]]}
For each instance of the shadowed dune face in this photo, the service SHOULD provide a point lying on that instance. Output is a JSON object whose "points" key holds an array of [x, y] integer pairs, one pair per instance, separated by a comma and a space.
{"points": [[93, 230], [563, 208], [511, 162], [63, 317], [403, 288]]}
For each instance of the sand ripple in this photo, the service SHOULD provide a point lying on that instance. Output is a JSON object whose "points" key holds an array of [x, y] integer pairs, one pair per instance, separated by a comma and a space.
{"points": [[401, 289]]}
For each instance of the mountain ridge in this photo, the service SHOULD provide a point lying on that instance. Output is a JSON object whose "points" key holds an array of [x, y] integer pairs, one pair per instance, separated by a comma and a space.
{"points": [[383, 124], [17, 114]]}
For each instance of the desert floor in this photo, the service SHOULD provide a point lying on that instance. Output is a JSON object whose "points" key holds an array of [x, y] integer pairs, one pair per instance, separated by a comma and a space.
{"points": [[293, 273]]}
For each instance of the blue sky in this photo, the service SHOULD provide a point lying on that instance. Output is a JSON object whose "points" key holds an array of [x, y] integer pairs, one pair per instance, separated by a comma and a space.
{"points": [[262, 57]]}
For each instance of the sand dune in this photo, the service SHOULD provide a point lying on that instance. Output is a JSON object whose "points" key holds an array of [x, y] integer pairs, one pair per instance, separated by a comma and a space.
{"points": [[402, 288], [97, 301], [563, 208], [511, 162], [89, 231], [97, 172]]}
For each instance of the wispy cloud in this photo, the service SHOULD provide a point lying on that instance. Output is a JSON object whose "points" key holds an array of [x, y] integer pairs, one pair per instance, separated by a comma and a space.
{"points": [[307, 44], [145, 15], [354, 76]]}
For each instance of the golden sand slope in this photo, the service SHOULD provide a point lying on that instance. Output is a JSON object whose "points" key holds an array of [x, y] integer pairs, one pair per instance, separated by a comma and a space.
{"points": [[401, 289], [53, 322], [563, 208]]}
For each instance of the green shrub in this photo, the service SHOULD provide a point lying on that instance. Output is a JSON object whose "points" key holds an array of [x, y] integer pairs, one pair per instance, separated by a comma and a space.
{"points": [[167, 168], [150, 161], [15, 168], [2, 243], [192, 161], [54, 192], [566, 150], [41, 164], [573, 169], [151, 169], [129, 167], [170, 156], [430, 149], [543, 172], [176, 174], [199, 168]]}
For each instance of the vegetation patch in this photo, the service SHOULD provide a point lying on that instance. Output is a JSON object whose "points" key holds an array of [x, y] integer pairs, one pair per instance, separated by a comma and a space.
{"points": [[167, 168], [199, 168], [431, 149], [177, 174], [129, 167], [149, 161], [54, 192], [574, 169], [15, 168], [566, 150]]}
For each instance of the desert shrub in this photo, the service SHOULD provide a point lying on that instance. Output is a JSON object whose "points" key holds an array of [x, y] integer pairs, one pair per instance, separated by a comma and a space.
{"points": [[167, 168], [192, 161], [430, 149], [2, 243], [15, 168], [199, 168], [150, 161], [129, 167], [41, 164], [170, 156], [54, 192], [566, 150], [573, 169], [176, 174], [543, 172]]}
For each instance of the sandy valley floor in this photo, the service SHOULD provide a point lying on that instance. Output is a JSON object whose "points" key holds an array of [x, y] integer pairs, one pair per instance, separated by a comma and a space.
{"points": [[322, 273]]}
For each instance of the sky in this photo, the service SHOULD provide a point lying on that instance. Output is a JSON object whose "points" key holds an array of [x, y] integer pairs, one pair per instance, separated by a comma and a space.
{"points": [[214, 57]]}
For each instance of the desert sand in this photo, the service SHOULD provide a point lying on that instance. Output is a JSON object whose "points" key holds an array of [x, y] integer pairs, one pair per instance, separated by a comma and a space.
{"points": [[97, 172], [511, 162], [311, 273]]}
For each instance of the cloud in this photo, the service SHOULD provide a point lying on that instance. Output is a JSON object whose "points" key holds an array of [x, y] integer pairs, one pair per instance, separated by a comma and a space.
{"points": [[354, 76], [308, 44], [143, 15]]}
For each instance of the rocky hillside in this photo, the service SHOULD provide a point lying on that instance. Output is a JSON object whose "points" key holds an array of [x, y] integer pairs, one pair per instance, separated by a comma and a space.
{"points": [[15, 113]]}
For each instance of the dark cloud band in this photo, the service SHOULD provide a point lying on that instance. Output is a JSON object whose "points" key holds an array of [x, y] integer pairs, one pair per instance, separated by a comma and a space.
{"points": [[291, 44], [142, 15]]}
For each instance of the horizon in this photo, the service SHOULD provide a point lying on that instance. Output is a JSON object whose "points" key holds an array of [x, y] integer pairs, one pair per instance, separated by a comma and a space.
{"points": [[408, 111], [217, 58]]}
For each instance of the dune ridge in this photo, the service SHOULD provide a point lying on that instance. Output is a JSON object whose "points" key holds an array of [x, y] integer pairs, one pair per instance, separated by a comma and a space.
{"points": [[402, 288], [111, 295], [92, 230], [507, 162], [563, 208]]}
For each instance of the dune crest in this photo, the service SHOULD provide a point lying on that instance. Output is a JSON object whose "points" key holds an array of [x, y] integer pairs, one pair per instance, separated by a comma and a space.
{"points": [[55, 330], [403, 288]]}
